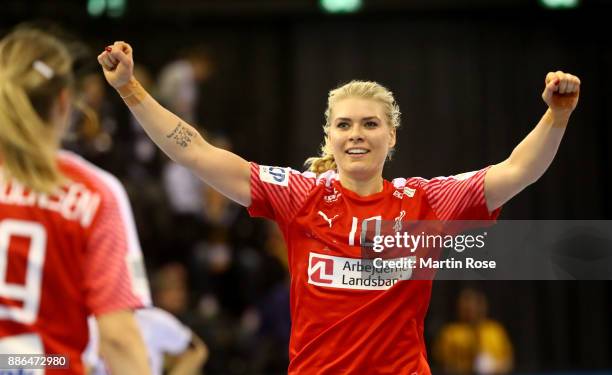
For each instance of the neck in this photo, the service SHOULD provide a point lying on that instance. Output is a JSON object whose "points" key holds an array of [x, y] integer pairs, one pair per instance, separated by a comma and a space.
{"points": [[362, 187]]}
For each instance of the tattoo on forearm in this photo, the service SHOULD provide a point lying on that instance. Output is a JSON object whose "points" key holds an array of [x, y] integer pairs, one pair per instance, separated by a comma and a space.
{"points": [[182, 135]]}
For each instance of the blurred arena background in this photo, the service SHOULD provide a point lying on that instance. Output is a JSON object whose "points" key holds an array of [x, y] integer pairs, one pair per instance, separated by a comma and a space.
{"points": [[254, 74]]}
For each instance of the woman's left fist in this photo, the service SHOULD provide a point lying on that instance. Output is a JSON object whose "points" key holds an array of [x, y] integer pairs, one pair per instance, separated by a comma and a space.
{"points": [[561, 92]]}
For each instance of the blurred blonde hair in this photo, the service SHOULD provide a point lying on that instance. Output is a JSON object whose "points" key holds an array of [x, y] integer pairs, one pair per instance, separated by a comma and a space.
{"points": [[353, 89], [28, 89]]}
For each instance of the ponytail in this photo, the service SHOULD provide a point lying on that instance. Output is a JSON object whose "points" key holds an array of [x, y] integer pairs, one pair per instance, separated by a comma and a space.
{"points": [[321, 164], [34, 68]]}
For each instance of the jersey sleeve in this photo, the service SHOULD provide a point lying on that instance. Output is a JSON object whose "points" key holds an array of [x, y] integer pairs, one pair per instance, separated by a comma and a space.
{"points": [[459, 197], [115, 276], [278, 193]]}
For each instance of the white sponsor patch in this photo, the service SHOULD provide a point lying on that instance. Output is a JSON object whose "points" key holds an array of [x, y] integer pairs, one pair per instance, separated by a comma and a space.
{"points": [[465, 176], [409, 192], [274, 175], [332, 197], [354, 273]]}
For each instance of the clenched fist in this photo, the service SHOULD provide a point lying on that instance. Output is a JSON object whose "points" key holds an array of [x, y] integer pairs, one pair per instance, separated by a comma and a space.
{"points": [[117, 63], [561, 92]]}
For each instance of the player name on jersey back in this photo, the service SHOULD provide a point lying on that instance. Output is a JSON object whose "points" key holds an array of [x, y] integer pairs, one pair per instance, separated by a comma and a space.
{"points": [[73, 201]]}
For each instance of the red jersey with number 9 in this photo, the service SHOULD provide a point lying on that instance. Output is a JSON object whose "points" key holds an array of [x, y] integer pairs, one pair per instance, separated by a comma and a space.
{"points": [[340, 324], [63, 257]]}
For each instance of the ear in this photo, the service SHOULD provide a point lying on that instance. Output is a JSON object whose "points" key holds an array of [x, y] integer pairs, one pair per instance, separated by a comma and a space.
{"points": [[326, 139], [326, 143], [63, 100], [60, 111], [61, 106], [392, 139]]}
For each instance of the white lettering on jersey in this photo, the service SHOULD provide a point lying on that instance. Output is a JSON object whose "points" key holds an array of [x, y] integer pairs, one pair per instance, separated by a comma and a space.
{"points": [[29, 293], [364, 230], [73, 202], [327, 219], [274, 175], [355, 273]]}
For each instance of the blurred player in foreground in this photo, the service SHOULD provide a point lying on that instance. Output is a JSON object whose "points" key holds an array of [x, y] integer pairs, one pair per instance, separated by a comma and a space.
{"points": [[68, 245], [173, 349], [346, 321]]}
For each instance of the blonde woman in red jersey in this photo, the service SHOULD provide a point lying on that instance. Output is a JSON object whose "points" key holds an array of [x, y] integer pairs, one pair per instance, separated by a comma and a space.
{"points": [[341, 325], [66, 230]]}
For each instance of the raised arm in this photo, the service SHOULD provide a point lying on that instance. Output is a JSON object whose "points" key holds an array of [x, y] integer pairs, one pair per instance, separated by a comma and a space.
{"points": [[532, 157], [226, 172]]}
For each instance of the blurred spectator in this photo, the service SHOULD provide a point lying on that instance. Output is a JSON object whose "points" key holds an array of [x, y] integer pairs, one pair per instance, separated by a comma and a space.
{"points": [[145, 151], [179, 80], [474, 344], [271, 355], [178, 92], [275, 244], [170, 289], [201, 215], [184, 190], [188, 195], [94, 123]]}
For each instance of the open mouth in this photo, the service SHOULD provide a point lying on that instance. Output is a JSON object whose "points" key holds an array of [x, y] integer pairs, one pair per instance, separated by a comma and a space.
{"points": [[355, 151]]}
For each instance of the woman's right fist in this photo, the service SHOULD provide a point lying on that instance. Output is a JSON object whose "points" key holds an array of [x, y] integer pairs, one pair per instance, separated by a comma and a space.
{"points": [[117, 64]]}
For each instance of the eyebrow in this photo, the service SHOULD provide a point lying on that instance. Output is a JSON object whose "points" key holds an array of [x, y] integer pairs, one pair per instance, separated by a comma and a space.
{"points": [[363, 119]]}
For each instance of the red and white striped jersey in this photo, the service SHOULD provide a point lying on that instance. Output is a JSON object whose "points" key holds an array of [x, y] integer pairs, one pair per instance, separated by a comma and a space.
{"points": [[340, 326], [63, 257]]}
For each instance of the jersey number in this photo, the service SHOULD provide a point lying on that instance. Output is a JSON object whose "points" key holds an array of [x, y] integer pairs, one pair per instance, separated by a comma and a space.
{"points": [[375, 220], [29, 293]]}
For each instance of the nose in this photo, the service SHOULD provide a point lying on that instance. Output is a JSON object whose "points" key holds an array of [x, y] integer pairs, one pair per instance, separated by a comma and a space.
{"points": [[356, 134]]}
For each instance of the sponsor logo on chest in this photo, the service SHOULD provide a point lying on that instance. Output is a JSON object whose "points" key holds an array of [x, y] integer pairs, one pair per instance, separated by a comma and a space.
{"points": [[355, 273], [333, 197], [405, 192]]}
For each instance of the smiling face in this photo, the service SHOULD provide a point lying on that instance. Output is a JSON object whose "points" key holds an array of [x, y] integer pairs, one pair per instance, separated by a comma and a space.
{"points": [[359, 137]]}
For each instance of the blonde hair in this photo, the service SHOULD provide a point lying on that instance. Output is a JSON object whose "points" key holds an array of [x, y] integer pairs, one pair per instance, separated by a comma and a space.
{"points": [[34, 68], [353, 89]]}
